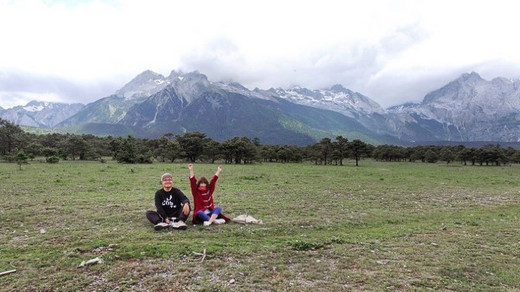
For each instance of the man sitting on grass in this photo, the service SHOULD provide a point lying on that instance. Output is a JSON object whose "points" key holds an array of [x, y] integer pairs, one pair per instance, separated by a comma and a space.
{"points": [[173, 207]]}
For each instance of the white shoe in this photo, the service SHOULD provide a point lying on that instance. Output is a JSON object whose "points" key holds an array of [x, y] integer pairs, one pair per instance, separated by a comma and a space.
{"points": [[178, 225], [160, 226], [220, 221], [206, 223]]}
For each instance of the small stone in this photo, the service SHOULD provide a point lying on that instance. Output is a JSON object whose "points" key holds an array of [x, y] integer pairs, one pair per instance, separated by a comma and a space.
{"points": [[43, 231], [232, 281], [91, 262]]}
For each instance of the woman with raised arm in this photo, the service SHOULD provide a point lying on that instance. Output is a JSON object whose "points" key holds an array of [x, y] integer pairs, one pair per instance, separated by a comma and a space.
{"points": [[205, 211]]}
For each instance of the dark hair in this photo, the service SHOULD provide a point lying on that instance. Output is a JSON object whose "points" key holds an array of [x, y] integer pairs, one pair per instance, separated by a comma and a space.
{"points": [[202, 179]]}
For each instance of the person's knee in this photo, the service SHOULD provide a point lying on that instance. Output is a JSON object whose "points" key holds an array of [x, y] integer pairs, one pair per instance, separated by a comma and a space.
{"points": [[150, 214], [202, 216], [153, 217]]}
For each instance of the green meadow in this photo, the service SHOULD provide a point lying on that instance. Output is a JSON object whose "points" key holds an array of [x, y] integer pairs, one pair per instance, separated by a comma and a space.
{"points": [[376, 227]]}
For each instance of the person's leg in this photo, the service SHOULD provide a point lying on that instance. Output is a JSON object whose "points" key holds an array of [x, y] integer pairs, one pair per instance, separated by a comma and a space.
{"points": [[217, 210], [214, 214], [181, 220], [183, 217], [154, 217], [202, 216]]}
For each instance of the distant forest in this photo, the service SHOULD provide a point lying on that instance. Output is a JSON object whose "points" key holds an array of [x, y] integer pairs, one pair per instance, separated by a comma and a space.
{"points": [[16, 145]]}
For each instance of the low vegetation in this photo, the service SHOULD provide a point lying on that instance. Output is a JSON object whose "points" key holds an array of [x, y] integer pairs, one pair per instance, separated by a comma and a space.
{"points": [[377, 227], [17, 145]]}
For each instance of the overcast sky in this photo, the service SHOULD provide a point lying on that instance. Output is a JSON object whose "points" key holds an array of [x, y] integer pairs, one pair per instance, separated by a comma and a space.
{"points": [[390, 51]]}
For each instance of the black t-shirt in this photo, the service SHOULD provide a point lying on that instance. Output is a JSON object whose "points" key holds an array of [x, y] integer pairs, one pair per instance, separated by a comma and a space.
{"points": [[169, 204]]}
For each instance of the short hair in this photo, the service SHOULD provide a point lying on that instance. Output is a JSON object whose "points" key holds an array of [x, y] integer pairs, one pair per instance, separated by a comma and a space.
{"points": [[165, 175]]}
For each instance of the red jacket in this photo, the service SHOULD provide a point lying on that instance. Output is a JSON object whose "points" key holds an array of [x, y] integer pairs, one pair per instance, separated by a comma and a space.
{"points": [[204, 201]]}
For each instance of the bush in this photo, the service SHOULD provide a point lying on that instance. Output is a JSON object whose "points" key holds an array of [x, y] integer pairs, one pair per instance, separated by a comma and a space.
{"points": [[144, 158], [9, 158], [53, 159]]}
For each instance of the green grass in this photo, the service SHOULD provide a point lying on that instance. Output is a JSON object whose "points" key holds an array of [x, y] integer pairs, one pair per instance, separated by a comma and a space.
{"points": [[380, 226]]}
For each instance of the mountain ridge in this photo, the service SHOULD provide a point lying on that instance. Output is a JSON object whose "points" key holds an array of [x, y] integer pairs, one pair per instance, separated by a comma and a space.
{"points": [[468, 108], [40, 113]]}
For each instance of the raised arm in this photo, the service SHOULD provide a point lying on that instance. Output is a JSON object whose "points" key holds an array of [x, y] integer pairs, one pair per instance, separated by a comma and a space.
{"points": [[190, 167], [213, 182], [193, 180]]}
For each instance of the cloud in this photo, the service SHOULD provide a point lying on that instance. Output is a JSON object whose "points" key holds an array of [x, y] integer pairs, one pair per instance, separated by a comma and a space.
{"points": [[391, 51], [17, 88]]}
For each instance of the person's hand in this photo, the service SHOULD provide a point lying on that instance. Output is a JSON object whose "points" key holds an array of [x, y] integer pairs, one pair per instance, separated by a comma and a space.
{"points": [[219, 168], [190, 166], [167, 221], [186, 209]]}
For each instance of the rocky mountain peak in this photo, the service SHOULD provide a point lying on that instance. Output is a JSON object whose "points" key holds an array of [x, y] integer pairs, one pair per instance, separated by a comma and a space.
{"points": [[41, 113], [471, 106], [237, 85], [188, 86], [337, 98], [175, 74], [457, 90], [470, 77], [36, 106], [143, 85], [505, 84], [179, 76], [468, 108], [337, 87]]}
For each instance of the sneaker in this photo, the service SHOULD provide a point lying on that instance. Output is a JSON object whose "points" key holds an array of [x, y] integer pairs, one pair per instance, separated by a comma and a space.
{"points": [[160, 226], [179, 225], [220, 221], [206, 223]]}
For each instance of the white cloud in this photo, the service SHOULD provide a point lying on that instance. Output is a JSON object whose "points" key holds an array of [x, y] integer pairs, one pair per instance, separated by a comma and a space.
{"points": [[15, 98], [391, 51]]}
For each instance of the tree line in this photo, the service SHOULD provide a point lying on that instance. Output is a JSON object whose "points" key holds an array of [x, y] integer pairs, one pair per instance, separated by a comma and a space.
{"points": [[16, 145]]}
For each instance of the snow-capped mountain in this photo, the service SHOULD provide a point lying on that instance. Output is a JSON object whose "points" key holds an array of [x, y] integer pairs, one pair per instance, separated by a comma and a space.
{"points": [[190, 102], [40, 114], [469, 109], [189, 86], [337, 98], [114, 108], [149, 83], [142, 86]]}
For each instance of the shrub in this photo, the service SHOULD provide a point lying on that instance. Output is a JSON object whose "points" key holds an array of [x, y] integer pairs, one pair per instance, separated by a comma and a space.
{"points": [[53, 159]]}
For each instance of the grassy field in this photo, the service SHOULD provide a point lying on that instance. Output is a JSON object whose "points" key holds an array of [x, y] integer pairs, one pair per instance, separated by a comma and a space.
{"points": [[377, 227]]}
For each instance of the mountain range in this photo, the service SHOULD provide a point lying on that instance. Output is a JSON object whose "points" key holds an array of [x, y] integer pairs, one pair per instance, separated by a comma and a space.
{"points": [[40, 114], [150, 105]]}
